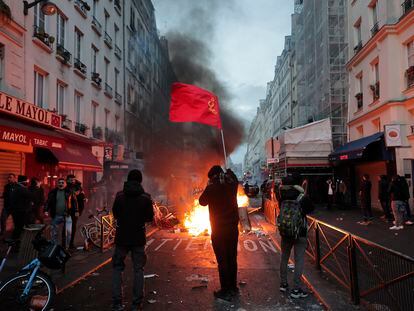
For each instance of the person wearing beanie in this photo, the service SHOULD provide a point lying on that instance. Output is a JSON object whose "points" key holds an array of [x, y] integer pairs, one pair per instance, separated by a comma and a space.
{"points": [[132, 209], [221, 197]]}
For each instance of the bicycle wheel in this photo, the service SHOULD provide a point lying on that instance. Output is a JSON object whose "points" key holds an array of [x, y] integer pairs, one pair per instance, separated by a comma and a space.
{"points": [[95, 235], [40, 297], [163, 210]]}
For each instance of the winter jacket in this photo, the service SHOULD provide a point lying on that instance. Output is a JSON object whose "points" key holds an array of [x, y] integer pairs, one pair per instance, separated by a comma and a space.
{"points": [[221, 197], [397, 190], [383, 186], [21, 199], [38, 196], [7, 193], [70, 201], [289, 192], [132, 209]]}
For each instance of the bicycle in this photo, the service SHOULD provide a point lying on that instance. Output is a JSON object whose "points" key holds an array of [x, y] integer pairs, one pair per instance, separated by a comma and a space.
{"points": [[31, 288], [92, 231], [163, 218]]}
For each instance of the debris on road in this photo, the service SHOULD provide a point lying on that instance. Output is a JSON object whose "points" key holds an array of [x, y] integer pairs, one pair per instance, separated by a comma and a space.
{"points": [[151, 301], [199, 286], [149, 276], [197, 277]]}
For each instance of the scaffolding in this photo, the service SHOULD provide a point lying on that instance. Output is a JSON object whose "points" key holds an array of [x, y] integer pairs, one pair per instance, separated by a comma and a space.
{"points": [[320, 31]]}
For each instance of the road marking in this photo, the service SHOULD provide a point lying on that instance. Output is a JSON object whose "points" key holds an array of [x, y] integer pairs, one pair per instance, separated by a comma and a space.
{"points": [[188, 248], [178, 244], [162, 243], [253, 247], [269, 246], [149, 243]]}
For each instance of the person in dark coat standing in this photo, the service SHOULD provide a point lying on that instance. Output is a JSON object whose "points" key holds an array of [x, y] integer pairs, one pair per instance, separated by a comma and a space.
{"points": [[384, 197], [7, 207], [221, 197], [132, 209], [365, 195], [406, 193], [21, 201], [38, 201]]}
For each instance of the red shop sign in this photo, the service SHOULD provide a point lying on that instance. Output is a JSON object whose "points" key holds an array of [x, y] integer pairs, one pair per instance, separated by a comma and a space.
{"points": [[16, 136]]}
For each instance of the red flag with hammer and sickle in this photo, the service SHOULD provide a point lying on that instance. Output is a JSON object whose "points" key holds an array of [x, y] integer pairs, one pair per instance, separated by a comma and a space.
{"points": [[190, 103]]}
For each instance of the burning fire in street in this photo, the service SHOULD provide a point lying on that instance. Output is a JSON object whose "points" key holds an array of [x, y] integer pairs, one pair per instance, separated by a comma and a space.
{"points": [[197, 221]]}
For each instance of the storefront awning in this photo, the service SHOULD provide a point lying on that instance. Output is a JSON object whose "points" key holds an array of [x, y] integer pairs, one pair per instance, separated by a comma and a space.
{"points": [[356, 149], [76, 157]]}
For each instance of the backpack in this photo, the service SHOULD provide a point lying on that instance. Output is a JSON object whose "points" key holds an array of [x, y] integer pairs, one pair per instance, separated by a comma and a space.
{"points": [[290, 220]]}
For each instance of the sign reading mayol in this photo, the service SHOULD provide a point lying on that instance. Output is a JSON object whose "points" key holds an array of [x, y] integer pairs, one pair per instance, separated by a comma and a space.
{"points": [[22, 109]]}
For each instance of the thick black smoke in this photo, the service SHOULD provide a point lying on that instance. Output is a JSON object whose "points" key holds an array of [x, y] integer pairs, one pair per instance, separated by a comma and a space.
{"points": [[184, 152]]}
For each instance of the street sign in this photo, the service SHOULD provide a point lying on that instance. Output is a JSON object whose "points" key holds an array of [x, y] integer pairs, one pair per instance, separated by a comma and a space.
{"points": [[272, 160]]}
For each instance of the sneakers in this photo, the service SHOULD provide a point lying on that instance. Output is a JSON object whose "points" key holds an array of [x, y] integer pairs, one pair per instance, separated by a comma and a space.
{"points": [[298, 293], [409, 223], [396, 227], [223, 295], [284, 287]]}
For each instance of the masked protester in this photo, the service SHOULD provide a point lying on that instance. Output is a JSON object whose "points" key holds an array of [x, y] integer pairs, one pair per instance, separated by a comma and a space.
{"points": [[132, 209], [221, 197], [7, 207]]}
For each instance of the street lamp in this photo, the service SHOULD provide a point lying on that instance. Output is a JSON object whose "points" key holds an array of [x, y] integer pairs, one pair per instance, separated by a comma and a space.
{"points": [[47, 7]]}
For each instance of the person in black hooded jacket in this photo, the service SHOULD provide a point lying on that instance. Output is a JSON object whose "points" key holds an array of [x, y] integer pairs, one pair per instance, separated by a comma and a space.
{"points": [[221, 197], [132, 209]]}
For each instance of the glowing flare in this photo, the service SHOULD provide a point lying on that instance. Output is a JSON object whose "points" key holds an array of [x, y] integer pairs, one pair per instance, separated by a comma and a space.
{"points": [[242, 198]]}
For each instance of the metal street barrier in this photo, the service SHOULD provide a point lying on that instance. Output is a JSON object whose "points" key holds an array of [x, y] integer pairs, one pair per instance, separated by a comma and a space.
{"points": [[370, 272]]}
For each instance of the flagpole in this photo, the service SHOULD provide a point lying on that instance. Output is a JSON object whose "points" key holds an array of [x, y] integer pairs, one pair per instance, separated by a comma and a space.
{"points": [[224, 148]]}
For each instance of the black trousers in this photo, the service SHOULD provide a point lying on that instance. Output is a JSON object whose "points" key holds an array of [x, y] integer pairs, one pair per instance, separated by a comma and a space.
{"points": [[385, 204], [224, 241], [74, 226], [19, 219], [3, 219]]}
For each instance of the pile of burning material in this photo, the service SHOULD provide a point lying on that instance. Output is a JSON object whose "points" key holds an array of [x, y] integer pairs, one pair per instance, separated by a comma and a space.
{"points": [[197, 221], [163, 218]]}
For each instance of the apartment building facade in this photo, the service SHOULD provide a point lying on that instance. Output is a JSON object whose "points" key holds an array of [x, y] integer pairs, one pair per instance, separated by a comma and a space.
{"points": [[381, 93]]}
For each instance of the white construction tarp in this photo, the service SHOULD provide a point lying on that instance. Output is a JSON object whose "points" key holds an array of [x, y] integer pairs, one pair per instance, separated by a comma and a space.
{"points": [[313, 140]]}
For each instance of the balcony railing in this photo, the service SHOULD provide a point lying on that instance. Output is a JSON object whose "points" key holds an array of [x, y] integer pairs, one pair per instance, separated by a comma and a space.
{"points": [[117, 4], [95, 77], [63, 53], [96, 25], [359, 97], [97, 132], [410, 76], [108, 40], [108, 90], [407, 6], [118, 97], [358, 47], [82, 6], [374, 29], [39, 33], [375, 88], [66, 123], [79, 65], [80, 128], [118, 51]]}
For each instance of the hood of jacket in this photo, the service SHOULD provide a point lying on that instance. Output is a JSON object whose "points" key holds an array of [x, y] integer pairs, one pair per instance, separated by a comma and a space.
{"points": [[133, 188]]}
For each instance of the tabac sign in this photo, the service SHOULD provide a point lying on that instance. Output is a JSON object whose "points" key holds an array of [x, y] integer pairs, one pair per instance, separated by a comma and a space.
{"points": [[22, 109]]}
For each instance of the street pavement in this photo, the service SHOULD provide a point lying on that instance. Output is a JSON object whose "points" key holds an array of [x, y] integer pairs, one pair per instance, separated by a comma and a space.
{"points": [[187, 276], [377, 232]]}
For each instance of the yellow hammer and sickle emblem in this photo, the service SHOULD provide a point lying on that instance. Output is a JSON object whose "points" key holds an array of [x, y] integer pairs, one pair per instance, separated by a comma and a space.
{"points": [[212, 105]]}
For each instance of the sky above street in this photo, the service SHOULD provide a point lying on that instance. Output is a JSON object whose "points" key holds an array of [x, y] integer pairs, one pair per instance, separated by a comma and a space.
{"points": [[244, 36]]}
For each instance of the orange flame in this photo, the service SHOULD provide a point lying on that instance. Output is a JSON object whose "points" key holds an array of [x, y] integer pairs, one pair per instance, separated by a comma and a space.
{"points": [[197, 221]]}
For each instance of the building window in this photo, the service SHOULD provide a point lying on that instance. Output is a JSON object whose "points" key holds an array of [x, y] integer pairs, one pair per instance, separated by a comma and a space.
{"points": [[94, 110], [106, 70], [116, 123], [39, 18], [78, 99], [39, 89], [61, 25], [78, 44], [94, 58], [60, 98], [360, 130], [106, 118], [359, 94], [106, 21], [94, 6], [116, 34], [410, 71], [358, 36], [375, 27], [132, 19], [377, 124], [116, 79], [2, 52]]}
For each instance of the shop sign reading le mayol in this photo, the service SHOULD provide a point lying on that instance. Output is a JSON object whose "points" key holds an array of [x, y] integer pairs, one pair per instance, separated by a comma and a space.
{"points": [[16, 136], [22, 109]]}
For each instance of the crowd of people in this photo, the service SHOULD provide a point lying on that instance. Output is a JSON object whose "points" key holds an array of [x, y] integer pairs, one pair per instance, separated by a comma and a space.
{"points": [[26, 203]]}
